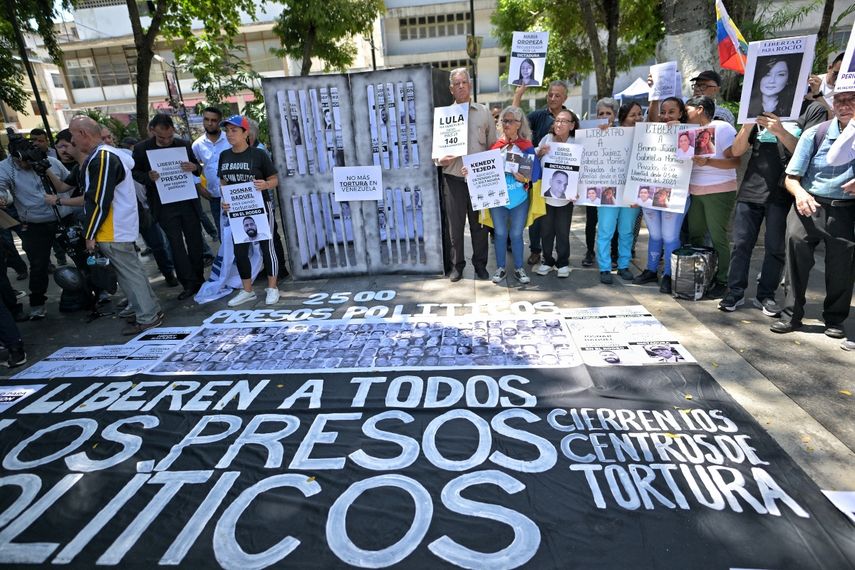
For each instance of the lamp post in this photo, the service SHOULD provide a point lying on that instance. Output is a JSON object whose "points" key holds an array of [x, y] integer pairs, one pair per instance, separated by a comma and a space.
{"points": [[182, 110]]}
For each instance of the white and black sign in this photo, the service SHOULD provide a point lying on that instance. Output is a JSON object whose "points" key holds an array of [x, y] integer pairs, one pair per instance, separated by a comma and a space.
{"points": [[173, 184], [358, 183], [450, 134], [560, 168], [604, 162], [247, 215], [776, 78], [528, 58], [486, 181], [664, 76], [656, 175]]}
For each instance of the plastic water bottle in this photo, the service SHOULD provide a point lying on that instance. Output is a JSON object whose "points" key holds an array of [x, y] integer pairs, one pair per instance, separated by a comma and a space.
{"points": [[97, 260]]}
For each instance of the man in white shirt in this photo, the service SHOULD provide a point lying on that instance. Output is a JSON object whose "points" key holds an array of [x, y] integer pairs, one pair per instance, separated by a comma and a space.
{"points": [[207, 149]]}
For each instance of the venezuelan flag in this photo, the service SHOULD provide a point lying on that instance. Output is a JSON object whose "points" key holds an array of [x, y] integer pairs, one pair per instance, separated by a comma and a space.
{"points": [[732, 47]]}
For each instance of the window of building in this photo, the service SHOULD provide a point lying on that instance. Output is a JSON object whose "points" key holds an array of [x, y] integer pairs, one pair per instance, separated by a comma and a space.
{"points": [[81, 72], [436, 26], [57, 80]]}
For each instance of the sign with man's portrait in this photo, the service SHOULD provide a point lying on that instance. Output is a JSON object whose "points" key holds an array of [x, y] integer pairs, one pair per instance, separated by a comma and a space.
{"points": [[247, 216]]}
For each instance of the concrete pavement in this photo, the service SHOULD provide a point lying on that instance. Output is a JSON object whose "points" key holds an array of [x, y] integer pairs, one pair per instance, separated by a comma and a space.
{"points": [[799, 386]]}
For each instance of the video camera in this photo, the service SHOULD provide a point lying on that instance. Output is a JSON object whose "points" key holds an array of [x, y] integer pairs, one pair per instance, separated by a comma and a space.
{"points": [[24, 149]]}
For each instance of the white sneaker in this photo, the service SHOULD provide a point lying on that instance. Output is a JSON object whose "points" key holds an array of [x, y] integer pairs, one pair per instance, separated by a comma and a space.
{"points": [[563, 271], [521, 276], [242, 297], [271, 296], [543, 269]]}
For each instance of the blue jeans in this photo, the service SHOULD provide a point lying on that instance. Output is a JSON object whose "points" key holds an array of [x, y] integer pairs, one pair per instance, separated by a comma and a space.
{"points": [[501, 218], [664, 232], [621, 219]]}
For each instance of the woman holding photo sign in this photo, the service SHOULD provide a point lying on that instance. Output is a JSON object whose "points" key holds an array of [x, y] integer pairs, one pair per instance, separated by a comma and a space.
{"points": [[620, 219], [514, 140], [555, 226], [607, 109], [663, 227], [243, 163], [713, 189]]}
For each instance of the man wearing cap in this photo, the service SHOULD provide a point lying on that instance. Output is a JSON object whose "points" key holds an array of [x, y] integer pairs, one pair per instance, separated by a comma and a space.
{"points": [[244, 163], [181, 220], [708, 84], [824, 213]]}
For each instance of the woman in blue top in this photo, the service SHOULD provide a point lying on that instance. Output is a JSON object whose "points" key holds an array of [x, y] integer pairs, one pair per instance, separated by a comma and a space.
{"points": [[620, 219], [515, 139]]}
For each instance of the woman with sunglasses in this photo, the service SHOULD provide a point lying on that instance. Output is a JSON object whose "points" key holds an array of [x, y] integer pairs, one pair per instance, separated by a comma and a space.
{"points": [[510, 220]]}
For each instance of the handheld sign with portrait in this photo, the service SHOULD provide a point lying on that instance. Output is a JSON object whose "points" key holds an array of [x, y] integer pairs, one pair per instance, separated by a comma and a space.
{"points": [[247, 216], [776, 78], [174, 184], [603, 171], [450, 134], [528, 58], [561, 167], [664, 77], [656, 178], [486, 179], [358, 183], [846, 77]]}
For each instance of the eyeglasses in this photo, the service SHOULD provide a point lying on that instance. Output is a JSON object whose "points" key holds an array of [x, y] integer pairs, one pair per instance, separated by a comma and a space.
{"points": [[563, 121], [703, 86], [509, 121]]}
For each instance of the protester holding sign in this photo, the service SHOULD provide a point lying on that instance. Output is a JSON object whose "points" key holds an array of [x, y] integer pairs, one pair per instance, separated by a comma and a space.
{"points": [[621, 219], [180, 220], [761, 198], [515, 133], [555, 225], [540, 122], [243, 163], [607, 109], [481, 134], [663, 227], [713, 189]]}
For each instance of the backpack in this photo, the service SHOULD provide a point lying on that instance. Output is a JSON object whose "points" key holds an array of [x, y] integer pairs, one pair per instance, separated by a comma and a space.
{"points": [[692, 271]]}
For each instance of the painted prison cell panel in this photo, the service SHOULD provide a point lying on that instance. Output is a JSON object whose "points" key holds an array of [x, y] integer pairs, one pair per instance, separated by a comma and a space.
{"points": [[383, 118]]}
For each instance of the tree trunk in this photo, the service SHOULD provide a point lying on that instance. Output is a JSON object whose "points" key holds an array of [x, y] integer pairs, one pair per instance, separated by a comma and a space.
{"points": [[144, 43], [596, 49], [689, 26], [308, 46], [825, 23], [611, 9]]}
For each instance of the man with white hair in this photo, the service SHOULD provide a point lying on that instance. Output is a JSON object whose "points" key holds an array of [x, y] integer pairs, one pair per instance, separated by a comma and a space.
{"points": [[112, 220], [458, 207]]}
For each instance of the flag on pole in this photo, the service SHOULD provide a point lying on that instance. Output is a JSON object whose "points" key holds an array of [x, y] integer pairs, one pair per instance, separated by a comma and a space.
{"points": [[732, 47]]}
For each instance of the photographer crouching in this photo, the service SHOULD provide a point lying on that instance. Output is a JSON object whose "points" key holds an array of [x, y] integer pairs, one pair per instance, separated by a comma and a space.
{"points": [[22, 175]]}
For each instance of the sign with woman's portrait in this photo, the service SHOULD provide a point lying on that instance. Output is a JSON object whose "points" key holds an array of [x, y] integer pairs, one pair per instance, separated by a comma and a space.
{"points": [[776, 76], [528, 58]]}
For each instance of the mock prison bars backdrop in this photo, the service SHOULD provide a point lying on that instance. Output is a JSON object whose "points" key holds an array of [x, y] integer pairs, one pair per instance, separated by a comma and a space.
{"points": [[379, 118]]}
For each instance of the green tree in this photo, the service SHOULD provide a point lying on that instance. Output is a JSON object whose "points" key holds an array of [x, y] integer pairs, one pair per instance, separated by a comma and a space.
{"points": [[172, 20], [324, 30], [218, 69], [604, 37], [30, 17]]}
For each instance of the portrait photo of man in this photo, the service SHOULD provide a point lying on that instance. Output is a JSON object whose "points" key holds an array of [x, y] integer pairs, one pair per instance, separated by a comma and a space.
{"points": [[558, 185]]}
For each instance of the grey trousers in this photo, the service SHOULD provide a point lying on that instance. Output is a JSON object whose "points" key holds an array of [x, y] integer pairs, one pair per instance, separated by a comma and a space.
{"points": [[132, 279]]}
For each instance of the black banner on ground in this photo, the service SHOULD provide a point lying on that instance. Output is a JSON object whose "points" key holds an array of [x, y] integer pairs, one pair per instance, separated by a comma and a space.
{"points": [[647, 467]]}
